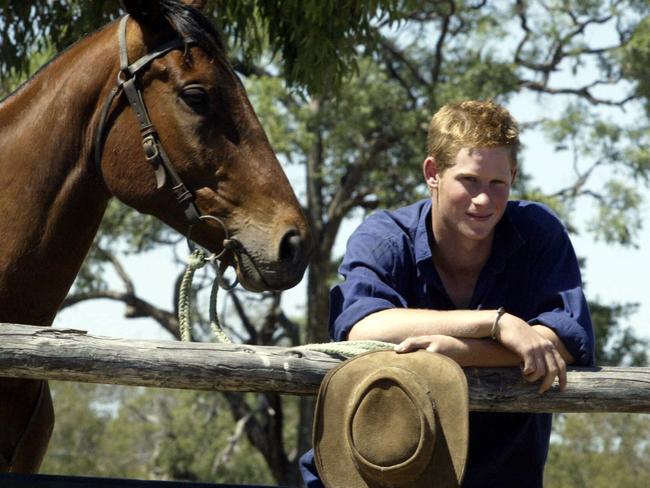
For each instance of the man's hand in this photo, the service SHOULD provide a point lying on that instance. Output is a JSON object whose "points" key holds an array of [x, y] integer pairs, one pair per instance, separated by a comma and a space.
{"points": [[441, 344], [540, 357], [532, 348]]}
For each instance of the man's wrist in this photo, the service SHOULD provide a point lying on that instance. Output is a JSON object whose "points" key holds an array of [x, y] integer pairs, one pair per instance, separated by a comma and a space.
{"points": [[495, 324]]}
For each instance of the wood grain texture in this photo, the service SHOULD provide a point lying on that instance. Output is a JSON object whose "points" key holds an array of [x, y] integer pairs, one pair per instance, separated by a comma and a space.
{"points": [[73, 355]]}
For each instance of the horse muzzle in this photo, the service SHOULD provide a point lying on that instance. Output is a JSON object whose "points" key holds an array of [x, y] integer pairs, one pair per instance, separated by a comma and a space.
{"points": [[260, 268]]}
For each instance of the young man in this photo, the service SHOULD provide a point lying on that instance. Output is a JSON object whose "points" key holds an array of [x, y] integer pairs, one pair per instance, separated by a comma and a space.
{"points": [[469, 274]]}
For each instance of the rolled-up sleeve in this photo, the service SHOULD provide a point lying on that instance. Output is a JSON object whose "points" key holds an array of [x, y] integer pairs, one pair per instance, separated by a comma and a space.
{"points": [[373, 275], [560, 302]]}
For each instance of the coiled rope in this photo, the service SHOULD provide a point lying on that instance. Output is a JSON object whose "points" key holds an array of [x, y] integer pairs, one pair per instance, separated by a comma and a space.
{"points": [[196, 260]]}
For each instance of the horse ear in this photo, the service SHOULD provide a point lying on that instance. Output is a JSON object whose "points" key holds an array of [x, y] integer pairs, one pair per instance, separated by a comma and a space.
{"points": [[143, 10]]}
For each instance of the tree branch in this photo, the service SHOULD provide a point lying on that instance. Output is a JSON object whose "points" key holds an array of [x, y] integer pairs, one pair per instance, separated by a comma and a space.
{"points": [[136, 307], [582, 92], [439, 58]]}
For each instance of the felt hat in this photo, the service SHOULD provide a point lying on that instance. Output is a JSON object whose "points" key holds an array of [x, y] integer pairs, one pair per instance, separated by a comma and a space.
{"points": [[384, 419]]}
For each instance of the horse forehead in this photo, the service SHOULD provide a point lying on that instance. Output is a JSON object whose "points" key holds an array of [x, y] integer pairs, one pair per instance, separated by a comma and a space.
{"points": [[197, 64]]}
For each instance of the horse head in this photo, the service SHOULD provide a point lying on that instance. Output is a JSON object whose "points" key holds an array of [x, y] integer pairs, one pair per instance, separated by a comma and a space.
{"points": [[205, 126]]}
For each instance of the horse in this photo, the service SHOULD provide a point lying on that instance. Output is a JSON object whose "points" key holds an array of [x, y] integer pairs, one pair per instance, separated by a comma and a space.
{"points": [[148, 110]]}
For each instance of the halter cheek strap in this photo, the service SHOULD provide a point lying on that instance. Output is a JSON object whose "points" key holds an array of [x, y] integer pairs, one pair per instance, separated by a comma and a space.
{"points": [[151, 145]]}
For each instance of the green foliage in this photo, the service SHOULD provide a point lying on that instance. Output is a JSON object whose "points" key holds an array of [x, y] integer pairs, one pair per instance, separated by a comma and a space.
{"points": [[479, 77], [621, 157], [617, 345], [317, 40], [151, 434], [81, 423], [635, 61], [30, 27], [309, 35], [619, 215], [598, 450], [16, 77]]}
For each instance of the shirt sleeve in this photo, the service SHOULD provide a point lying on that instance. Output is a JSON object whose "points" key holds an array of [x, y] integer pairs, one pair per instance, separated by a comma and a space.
{"points": [[374, 278], [560, 301]]}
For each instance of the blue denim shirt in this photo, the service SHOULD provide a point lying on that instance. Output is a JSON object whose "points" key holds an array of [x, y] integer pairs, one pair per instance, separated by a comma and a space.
{"points": [[532, 271]]}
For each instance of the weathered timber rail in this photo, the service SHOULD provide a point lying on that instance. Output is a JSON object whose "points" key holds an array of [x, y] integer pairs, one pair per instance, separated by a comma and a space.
{"points": [[73, 355]]}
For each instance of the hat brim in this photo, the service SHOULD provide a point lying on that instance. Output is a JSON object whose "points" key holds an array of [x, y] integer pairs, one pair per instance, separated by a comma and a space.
{"points": [[448, 389]]}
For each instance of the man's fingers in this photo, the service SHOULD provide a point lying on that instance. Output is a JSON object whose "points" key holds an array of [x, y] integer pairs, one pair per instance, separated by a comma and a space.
{"points": [[556, 368], [562, 374], [552, 371], [534, 369], [412, 344], [529, 366]]}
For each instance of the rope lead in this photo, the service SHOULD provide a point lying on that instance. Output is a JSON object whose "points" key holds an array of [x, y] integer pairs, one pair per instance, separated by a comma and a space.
{"points": [[196, 261]]}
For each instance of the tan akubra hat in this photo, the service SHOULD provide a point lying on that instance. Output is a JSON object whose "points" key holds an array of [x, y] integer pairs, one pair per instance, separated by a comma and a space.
{"points": [[392, 420]]}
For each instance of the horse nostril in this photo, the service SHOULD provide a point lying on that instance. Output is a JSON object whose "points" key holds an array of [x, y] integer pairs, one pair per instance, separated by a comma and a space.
{"points": [[291, 246]]}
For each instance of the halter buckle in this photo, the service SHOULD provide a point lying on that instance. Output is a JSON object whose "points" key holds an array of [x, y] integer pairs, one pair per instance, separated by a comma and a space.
{"points": [[150, 147]]}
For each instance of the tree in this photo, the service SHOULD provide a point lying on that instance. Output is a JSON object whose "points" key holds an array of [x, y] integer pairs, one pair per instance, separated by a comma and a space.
{"points": [[353, 113], [599, 450], [150, 434]]}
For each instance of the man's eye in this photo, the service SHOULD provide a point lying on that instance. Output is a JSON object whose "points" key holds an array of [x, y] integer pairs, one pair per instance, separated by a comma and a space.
{"points": [[196, 98], [469, 179]]}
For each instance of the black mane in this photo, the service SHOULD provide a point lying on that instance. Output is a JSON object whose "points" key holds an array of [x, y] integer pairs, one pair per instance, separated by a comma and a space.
{"points": [[192, 26]]}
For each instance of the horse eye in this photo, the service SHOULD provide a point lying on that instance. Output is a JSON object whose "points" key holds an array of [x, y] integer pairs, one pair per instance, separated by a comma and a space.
{"points": [[196, 98]]}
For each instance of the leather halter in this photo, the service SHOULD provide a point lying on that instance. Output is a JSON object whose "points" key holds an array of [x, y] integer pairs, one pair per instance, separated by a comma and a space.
{"points": [[153, 149]]}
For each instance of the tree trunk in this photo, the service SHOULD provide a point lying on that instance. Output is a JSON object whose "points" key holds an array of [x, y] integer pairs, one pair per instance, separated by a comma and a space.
{"points": [[317, 331]]}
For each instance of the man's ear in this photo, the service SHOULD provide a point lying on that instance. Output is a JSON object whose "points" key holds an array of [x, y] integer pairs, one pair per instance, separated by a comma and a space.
{"points": [[431, 173], [513, 178]]}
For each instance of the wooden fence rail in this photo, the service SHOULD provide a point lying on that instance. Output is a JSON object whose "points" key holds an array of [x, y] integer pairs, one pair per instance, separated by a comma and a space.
{"points": [[65, 354]]}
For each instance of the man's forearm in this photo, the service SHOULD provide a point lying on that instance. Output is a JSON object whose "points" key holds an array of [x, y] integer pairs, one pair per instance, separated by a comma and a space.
{"points": [[396, 324], [466, 352]]}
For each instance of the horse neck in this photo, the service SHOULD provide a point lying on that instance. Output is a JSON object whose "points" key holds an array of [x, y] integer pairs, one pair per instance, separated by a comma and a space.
{"points": [[51, 203]]}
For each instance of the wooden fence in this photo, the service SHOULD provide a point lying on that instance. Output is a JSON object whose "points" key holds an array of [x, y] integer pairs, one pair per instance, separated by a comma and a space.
{"points": [[65, 354]]}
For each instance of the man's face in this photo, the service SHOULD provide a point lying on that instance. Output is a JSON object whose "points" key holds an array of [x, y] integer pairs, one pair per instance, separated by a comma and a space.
{"points": [[471, 196]]}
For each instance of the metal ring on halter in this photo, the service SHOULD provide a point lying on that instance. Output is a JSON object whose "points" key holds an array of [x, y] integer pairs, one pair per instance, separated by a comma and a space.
{"points": [[213, 258]]}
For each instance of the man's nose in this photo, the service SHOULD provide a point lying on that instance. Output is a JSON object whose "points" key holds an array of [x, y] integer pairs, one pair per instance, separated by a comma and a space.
{"points": [[482, 198]]}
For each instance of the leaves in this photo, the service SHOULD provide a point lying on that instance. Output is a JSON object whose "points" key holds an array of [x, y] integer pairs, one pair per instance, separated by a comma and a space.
{"points": [[149, 433], [599, 450]]}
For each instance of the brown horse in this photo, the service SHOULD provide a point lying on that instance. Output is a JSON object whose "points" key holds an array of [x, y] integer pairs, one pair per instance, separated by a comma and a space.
{"points": [[70, 140]]}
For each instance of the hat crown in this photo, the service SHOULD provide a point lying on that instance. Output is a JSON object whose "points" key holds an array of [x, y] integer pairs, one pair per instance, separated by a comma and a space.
{"points": [[391, 426], [424, 416]]}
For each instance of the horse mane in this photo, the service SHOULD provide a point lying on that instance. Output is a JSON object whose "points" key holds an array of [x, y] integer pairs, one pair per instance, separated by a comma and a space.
{"points": [[192, 26]]}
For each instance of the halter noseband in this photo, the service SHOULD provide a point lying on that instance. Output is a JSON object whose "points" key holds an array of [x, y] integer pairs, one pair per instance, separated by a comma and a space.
{"points": [[153, 150]]}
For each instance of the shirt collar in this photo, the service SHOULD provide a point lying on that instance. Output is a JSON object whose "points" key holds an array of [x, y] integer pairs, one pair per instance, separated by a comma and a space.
{"points": [[507, 240], [422, 247]]}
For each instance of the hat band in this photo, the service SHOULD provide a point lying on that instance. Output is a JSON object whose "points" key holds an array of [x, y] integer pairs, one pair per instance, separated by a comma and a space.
{"points": [[410, 384]]}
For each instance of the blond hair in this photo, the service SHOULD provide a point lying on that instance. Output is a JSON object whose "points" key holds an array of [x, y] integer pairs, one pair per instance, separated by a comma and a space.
{"points": [[471, 124]]}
